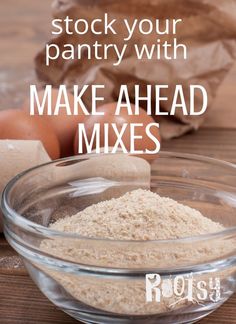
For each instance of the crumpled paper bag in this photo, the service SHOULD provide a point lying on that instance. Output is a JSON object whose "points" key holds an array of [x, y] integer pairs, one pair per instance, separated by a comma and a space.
{"points": [[208, 30]]}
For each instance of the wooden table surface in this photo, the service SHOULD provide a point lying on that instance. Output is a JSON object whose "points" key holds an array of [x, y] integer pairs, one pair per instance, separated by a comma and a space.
{"points": [[21, 302]]}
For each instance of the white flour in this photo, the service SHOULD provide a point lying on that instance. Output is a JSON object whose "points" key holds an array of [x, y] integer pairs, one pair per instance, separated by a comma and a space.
{"points": [[138, 215], [141, 216]]}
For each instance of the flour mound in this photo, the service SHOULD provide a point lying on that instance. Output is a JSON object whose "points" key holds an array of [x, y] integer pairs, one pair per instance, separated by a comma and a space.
{"points": [[138, 215]]}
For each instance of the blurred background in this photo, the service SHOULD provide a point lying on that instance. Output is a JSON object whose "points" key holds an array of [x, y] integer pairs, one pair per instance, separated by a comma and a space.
{"points": [[24, 29]]}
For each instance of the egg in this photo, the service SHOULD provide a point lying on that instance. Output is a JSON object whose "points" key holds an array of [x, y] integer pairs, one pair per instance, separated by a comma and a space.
{"points": [[109, 117], [17, 124], [63, 125]]}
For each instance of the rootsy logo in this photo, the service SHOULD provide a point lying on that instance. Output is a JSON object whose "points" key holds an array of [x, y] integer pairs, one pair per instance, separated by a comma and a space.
{"points": [[182, 288]]}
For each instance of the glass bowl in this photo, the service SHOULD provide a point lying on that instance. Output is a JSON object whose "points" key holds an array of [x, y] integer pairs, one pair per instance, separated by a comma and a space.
{"points": [[110, 281]]}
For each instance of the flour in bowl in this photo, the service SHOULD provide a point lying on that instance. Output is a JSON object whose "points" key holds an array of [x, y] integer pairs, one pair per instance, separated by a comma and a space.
{"points": [[142, 217], [138, 215]]}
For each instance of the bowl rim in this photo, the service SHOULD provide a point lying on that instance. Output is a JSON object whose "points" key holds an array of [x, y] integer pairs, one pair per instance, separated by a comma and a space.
{"points": [[27, 225]]}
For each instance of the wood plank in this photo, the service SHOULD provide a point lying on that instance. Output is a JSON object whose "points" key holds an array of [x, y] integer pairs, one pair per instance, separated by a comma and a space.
{"points": [[217, 143], [22, 303]]}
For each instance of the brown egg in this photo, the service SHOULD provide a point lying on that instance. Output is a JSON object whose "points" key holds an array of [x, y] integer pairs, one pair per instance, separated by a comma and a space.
{"points": [[110, 117], [17, 124], [64, 126]]}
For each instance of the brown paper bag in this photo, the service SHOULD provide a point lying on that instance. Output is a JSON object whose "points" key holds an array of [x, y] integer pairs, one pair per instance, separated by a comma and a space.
{"points": [[208, 30]]}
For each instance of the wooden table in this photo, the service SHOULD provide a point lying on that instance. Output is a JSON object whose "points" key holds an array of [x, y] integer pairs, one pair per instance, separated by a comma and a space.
{"points": [[21, 302]]}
